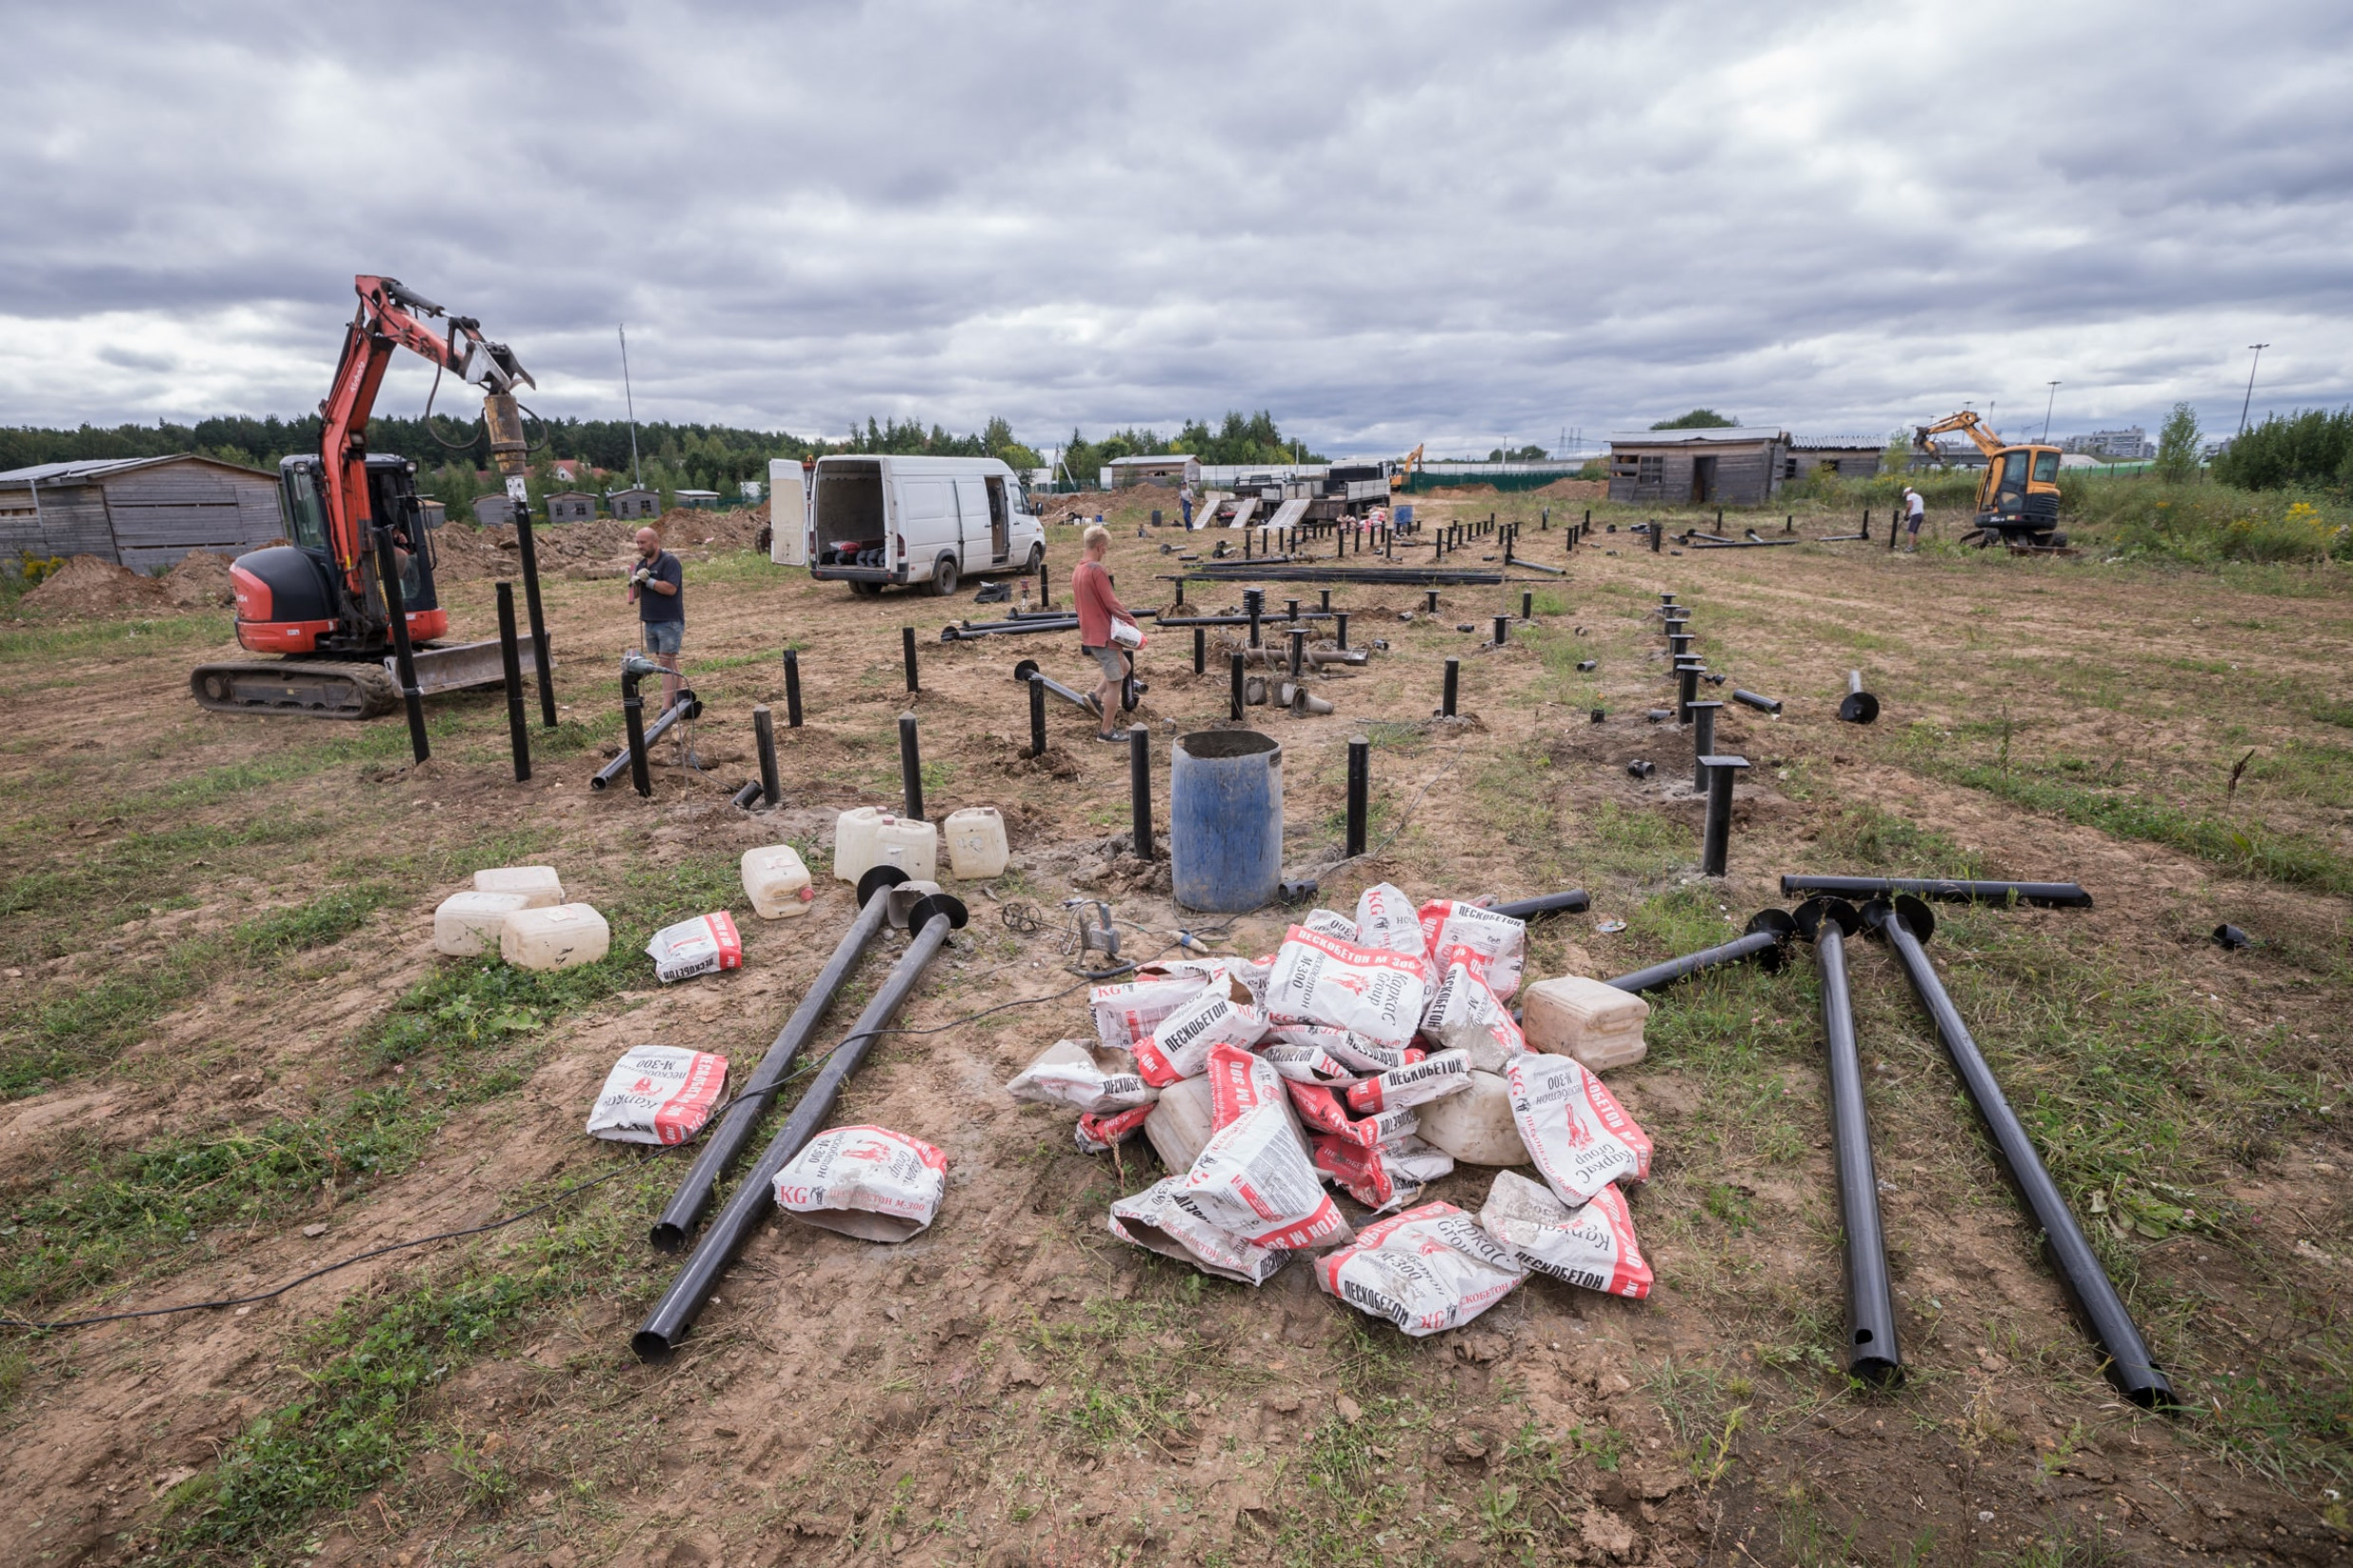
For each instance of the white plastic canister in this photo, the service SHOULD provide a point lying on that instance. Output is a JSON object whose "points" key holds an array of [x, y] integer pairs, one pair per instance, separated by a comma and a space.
{"points": [[852, 841], [1590, 1019], [776, 881], [539, 885], [470, 922], [559, 938], [976, 846], [912, 846]]}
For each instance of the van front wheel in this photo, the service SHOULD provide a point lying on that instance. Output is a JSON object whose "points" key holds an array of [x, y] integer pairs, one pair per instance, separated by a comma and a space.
{"points": [[944, 576]]}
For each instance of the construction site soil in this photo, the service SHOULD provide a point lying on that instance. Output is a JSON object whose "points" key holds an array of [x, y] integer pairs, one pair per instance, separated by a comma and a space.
{"points": [[231, 1056]]}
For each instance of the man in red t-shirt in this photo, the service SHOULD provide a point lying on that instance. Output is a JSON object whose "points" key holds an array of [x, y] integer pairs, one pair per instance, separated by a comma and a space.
{"points": [[1099, 607]]}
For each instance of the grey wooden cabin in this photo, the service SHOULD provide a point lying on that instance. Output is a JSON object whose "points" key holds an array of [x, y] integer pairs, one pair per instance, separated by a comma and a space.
{"points": [[140, 512], [1678, 468]]}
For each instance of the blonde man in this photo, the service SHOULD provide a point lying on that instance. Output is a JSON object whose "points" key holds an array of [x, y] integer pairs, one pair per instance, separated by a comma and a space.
{"points": [[1099, 607]]}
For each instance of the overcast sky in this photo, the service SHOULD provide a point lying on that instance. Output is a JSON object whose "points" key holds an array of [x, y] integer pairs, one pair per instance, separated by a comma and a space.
{"points": [[1468, 225]]}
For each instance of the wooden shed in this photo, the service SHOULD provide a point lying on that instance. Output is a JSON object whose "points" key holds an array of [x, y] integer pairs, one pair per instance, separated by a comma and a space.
{"points": [[571, 507], [1721, 468], [1848, 457], [703, 500], [634, 503], [140, 512], [1170, 470], [493, 510]]}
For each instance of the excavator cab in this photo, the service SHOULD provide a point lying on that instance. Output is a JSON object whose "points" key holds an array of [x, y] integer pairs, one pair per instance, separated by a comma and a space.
{"points": [[2020, 495]]}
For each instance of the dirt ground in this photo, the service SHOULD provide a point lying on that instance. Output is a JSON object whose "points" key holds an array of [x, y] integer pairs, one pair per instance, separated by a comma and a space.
{"points": [[231, 1056]]}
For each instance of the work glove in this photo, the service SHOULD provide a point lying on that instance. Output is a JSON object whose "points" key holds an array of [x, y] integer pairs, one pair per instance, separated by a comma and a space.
{"points": [[641, 576]]}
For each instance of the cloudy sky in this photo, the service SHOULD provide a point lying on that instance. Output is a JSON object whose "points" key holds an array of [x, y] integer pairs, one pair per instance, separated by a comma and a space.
{"points": [[1388, 223]]}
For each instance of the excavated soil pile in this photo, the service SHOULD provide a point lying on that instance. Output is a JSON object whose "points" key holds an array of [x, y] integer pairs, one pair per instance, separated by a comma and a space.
{"points": [[200, 578], [89, 587], [600, 549]]}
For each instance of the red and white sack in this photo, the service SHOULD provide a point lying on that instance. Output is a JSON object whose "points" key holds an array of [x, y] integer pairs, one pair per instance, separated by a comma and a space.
{"points": [[1496, 938], [657, 1095], [704, 945], [1255, 1177], [1305, 1063], [1372, 991], [1416, 1084], [1162, 1219], [1095, 1135], [1386, 918], [1180, 1044], [1069, 1073], [1126, 1013], [1329, 923], [1579, 1136], [1592, 1247], [1465, 1015], [1320, 1108], [1383, 1176], [867, 1182], [1426, 1269], [1353, 1051]]}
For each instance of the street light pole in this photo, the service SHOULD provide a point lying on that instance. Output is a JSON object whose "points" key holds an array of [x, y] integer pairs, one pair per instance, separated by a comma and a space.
{"points": [[2047, 407], [2250, 385]]}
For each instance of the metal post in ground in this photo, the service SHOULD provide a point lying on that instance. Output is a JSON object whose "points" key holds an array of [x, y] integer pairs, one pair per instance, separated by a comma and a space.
{"points": [[1503, 627], [403, 656], [1658, 533], [1253, 605], [1180, 591], [1454, 680], [1340, 619], [1360, 790], [1046, 597], [542, 664], [1234, 666], [510, 665], [1430, 605], [1528, 605], [1037, 714], [1298, 651], [1703, 740], [633, 720], [764, 737], [906, 647], [1327, 602], [1200, 649], [792, 689], [1716, 839], [1686, 688], [911, 766], [1139, 788]]}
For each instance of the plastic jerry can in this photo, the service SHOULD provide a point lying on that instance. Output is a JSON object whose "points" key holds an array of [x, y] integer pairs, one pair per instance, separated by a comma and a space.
{"points": [[912, 846], [539, 885], [977, 842], [562, 937], [1475, 1126], [852, 841], [470, 922], [1590, 1019], [777, 882]]}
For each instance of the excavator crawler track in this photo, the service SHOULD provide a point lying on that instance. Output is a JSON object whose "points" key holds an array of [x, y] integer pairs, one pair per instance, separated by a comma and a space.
{"points": [[295, 688]]}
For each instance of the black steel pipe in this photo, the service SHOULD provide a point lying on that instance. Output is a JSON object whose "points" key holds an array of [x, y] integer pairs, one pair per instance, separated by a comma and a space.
{"points": [[911, 766], [1035, 624], [1686, 689], [641, 734], [1943, 890], [1028, 667], [1299, 651], [1757, 700], [1253, 606], [403, 655], [1139, 789], [1454, 686], [1528, 605], [906, 646], [1046, 594], [1872, 1351], [1236, 668], [1503, 629], [1340, 619], [511, 666], [1767, 941], [1037, 715], [1716, 839], [1359, 791], [1858, 706], [1200, 650], [1573, 901], [1904, 926], [792, 689], [764, 739], [673, 1316], [543, 662], [743, 797], [1234, 621], [1431, 606], [1703, 740]]}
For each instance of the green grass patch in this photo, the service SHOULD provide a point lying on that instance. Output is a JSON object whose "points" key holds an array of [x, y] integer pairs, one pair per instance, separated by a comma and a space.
{"points": [[94, 636]]}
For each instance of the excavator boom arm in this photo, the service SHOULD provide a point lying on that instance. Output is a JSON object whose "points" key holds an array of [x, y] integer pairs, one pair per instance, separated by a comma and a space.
{"points": [[1966, 420]]}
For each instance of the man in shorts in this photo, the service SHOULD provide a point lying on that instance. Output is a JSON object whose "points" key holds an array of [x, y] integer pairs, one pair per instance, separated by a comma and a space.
{"points": [[1917, 506], [658, 588], [1099, 608]]}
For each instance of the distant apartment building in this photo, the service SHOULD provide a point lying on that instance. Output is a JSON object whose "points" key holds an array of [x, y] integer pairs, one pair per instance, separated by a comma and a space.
{"points": [[2115, 445]]}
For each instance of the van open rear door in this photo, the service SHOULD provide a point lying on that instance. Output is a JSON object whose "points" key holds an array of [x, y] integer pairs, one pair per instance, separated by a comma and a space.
{"points": [[787, 513]]}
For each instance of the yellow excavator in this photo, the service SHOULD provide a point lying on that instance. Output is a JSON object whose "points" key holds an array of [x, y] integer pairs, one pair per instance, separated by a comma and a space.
{"points": [[1404, 471], [2018, 499]]}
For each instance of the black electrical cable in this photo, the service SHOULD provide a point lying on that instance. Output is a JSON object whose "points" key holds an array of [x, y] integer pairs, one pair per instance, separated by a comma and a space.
{"points": [[468, 445]]}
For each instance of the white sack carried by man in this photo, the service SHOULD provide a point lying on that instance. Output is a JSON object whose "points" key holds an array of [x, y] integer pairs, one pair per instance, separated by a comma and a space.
{"points": [[1372, 991], [1579, 1136], [867, 1182], [1070, 1073], [1499, 939], [1592, 1247], [1426, 1270], [657, 1095]]}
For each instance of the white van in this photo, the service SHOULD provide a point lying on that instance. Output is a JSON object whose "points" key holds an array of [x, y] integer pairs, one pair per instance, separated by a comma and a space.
{"points": [[871, 521]]}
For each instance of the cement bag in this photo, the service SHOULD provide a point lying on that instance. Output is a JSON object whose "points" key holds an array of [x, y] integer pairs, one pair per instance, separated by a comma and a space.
{"points": [[1322, 1111], [1592, 1247], [657, 1095], [704, 945], [1386, 918], [1384, 1176], [1330, 923], [1162, 1219], [1096, 1135], [1254, 1178], [1416, 1084], [1306, 1064], [1372, 991], [1465, 1015], [1180, 1044], [1476, 1126], [1496, 938], [1350, 1050], [1426, 1269], [1579, 1136], [1125, 1013], [867, 1182], [1068, 1073]]}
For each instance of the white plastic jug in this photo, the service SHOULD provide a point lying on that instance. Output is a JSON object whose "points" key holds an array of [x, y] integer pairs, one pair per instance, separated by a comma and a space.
{"points": [[977, 846], [557, 938], [912, 846], [1590, 1019], [852, 841], [539, 885], [468, 923], [777, 882], [1475, 1126]]}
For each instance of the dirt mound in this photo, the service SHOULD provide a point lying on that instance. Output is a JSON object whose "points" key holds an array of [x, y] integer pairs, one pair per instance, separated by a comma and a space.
{"points": [[200, 578], [599, 548], [87, 586]]}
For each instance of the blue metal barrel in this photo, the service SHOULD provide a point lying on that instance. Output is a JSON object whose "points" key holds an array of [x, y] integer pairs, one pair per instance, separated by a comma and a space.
{"points": [[1225, 819], [1404, 513]]}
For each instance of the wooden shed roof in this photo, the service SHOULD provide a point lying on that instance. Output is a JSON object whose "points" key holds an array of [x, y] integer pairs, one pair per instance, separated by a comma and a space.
{"points": [[84, 470]]}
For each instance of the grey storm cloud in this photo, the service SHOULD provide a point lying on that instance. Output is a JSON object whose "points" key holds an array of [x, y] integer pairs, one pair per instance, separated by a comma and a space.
{"points": [[1386, 223]]}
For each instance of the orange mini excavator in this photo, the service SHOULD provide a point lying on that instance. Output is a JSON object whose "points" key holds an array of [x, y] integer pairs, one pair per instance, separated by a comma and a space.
{"points": [[319, 597]]}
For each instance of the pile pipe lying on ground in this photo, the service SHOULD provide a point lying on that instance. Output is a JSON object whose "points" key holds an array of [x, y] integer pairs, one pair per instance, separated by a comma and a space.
{"points": [[1028, 667], [1858, 706], [1242, 620], [1709, 542], [1943, 890], [727, 1138], [1905, 925], [1396, 576], [1872, 1354], [1574, 901], [632, 669], [1767, 941], [743, 797], [673, 1316], [1757, 700], [975, 631]]}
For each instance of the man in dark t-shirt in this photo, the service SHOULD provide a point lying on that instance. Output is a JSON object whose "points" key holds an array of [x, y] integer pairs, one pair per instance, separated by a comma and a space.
{"points": [[657, 588]]}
